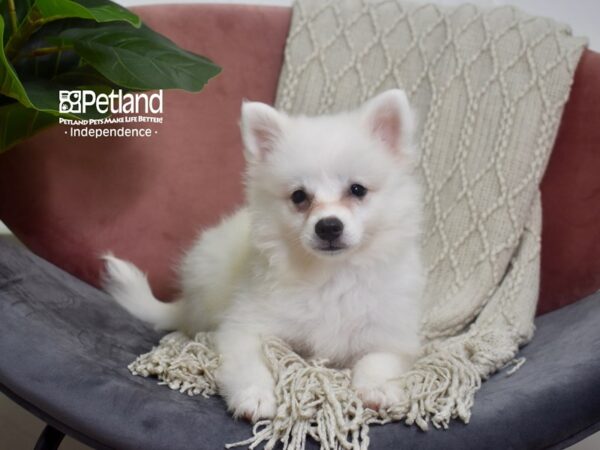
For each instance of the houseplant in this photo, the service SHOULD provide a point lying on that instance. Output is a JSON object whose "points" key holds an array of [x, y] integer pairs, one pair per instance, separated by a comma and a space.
{"points": [[53, 45]]}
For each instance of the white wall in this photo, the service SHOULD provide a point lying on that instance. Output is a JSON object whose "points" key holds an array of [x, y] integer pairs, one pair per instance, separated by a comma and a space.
{"points": [[582, 15]]}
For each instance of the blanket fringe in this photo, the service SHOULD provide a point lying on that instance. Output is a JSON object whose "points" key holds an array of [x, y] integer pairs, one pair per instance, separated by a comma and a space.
{"points": [[185, 365], [318, 401]]}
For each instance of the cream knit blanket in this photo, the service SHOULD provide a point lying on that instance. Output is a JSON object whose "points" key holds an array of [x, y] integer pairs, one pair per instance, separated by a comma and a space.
{"points": [[489, 88]]}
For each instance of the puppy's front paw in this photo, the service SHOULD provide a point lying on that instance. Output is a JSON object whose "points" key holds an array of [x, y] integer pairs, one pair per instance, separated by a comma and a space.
{"points": [[379, 396], [253, 403], [373, 379]]}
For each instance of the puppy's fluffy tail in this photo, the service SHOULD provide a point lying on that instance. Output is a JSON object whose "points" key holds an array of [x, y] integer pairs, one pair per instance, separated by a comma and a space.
{"points": [[130, 289]]}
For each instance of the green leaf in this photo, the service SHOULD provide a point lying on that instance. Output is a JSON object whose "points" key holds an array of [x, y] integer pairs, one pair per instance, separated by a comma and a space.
{"points": [[10, 85], [36, 93], [140, 59], [43, 94], [85, 77], [40, 93], [18, 123], [98, 10], [43, 12], [22, 6]]}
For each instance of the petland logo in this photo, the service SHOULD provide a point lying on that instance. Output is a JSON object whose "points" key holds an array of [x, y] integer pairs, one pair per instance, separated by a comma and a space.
{"points": [[128, 114], [79, 101]]}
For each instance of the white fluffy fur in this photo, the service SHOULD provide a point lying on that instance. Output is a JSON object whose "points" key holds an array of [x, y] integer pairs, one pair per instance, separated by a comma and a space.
{"points": [[262, 272]]}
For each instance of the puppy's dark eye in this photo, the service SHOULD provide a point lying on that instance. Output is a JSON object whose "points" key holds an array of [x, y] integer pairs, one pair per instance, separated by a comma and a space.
{"points": [[358, 190], [299, 196]]}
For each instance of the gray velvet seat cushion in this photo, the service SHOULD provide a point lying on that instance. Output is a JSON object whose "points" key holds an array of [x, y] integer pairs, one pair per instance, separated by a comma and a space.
{"points": [[64, 348]]}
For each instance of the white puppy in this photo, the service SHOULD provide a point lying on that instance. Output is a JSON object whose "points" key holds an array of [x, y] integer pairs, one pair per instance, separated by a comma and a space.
{"points": [[325, 255]]}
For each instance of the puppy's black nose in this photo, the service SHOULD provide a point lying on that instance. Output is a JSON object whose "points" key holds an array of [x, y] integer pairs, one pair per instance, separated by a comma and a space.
{"points": [[329, 228]]}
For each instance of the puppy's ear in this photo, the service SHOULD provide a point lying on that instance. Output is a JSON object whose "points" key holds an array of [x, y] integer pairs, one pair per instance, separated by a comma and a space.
{"points": [[389, 118], [262, 126]]}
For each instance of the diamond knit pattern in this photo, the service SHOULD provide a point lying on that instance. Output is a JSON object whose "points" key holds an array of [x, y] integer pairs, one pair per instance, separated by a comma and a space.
{"points": [[488, 87]]}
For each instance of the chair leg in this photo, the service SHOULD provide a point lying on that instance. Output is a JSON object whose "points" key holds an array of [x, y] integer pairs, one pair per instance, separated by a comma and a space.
{"points": [[50, 439]]}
